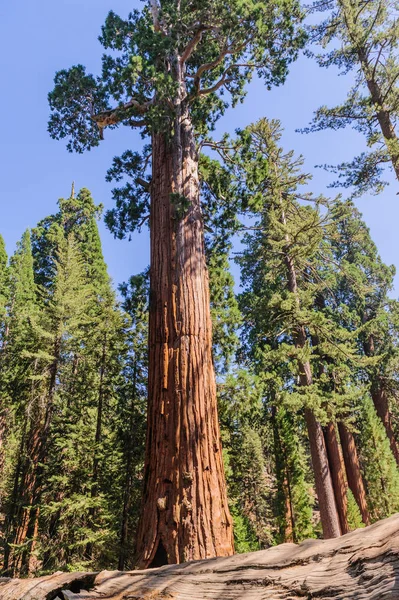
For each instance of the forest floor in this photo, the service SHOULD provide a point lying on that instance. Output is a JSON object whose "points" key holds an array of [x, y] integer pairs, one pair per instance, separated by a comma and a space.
{"points": [[362, 565]]}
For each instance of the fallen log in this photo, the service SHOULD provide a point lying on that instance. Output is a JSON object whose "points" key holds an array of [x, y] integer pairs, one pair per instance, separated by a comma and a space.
{"points": [[362, 565]]}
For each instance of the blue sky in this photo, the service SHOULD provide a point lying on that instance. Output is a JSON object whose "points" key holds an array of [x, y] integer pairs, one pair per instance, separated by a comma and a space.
{"points": [[39, 38]]}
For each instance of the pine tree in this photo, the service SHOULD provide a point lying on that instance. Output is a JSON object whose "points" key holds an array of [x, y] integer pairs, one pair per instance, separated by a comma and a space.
{"points": [[250, 483], [175, 63], [363, 288], [294, 502], [363, 38], [380, 467], [281, 270], [132, 413], [4, 292]]}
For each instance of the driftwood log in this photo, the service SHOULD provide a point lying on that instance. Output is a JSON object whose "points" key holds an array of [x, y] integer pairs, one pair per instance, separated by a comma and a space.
{"points": [[362, 565]]}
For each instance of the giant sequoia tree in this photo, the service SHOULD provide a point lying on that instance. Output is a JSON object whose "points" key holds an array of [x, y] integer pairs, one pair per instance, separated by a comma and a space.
{"points": [[170, 70]]}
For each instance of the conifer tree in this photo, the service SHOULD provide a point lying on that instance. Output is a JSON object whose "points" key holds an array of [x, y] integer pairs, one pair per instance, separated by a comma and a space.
{"points": [[284, 254], [132, 412], [363, 37], [18, 369], [175, 64], [364, 285], [294, 503], [380, 467], [64, 312], [4, 291], [245, 435], [3, 284]]}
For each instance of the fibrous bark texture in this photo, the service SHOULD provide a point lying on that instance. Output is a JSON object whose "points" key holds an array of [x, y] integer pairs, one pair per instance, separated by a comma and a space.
{"points": [[362, 565], [185, 514]]}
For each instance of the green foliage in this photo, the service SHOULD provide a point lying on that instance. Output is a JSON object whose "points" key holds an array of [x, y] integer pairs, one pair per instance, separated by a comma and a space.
{"points": [[294, 488], [361, 38], [171, 58], [379, 465], [354, 516]]}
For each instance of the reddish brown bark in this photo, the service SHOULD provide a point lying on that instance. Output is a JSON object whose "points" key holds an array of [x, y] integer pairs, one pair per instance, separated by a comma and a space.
{"points": [[289, 514], [185, 514], [337, 469], [353, 472]]}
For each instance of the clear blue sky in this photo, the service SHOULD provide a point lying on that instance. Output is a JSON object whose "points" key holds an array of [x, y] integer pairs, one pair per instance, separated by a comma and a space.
{"points": [[39, 38]]}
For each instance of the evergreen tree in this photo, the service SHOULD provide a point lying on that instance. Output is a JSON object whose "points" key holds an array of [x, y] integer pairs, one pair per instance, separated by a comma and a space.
{"points": [[281, 271], [174, 65], [364, 284], [380, 467], [132, 412], [363, 37], [293, 498], [246, 451]]}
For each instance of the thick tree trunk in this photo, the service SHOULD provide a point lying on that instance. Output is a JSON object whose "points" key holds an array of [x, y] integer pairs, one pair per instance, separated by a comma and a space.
{"points": [[324, 486], [362, 565], [337, 469], [185, 514], [353, 472]]}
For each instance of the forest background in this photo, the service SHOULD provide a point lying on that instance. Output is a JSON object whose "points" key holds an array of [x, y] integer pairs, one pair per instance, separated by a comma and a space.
{"points": [[36, 170], [74, 366]]}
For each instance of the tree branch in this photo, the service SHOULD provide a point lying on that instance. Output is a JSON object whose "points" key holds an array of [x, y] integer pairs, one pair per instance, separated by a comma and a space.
{"points": [[116, 115], [191, 46], [154, 7]]}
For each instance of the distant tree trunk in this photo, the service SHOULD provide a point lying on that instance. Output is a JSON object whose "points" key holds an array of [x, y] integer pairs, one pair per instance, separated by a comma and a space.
{"points": [[185, 514], [353, 472], [284, 483], [337, 468], [24, 523], [97, 441], [124, 534], [380, 400]]}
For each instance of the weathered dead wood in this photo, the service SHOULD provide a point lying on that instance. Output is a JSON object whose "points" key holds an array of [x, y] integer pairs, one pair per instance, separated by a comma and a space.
{"points": [[362, 565]]}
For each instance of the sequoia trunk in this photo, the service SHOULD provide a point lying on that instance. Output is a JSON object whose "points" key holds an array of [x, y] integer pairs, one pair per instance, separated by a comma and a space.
{"points": [[353, 473], [185, 514]]}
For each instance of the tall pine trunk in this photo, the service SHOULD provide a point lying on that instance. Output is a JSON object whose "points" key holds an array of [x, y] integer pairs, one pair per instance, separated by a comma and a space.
{"points": [[353, 472], [185, 515]]}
